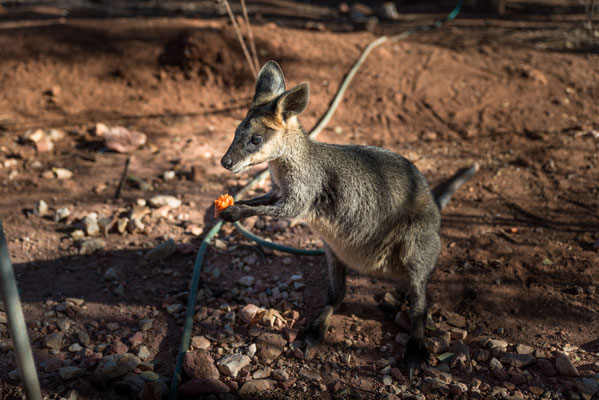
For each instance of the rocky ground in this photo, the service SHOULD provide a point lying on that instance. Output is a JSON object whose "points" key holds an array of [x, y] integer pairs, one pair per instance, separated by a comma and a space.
{"points": [[104, 278]]}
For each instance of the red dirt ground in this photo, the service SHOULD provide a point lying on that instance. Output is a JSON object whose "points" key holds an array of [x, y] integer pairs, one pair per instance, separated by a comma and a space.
{"points": [[519, 262]]}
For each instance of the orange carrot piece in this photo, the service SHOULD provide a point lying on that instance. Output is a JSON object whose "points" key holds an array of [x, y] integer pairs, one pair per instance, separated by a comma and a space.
{"points": [[221, 203]]}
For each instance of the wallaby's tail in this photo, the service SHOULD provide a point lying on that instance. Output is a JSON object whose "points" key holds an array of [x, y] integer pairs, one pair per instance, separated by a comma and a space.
{"points": [[443, 192]]}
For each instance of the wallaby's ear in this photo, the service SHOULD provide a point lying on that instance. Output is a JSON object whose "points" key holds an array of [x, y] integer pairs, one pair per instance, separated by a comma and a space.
{"points": [[294, 101], [270, 83]]}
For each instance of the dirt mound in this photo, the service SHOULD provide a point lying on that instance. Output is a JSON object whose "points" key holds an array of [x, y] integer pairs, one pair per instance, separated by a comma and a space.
{"points": [[215, 56]]}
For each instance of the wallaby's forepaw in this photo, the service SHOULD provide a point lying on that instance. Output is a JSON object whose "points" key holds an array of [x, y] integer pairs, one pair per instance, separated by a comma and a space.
{"points": [[414, 354], [230, 214]]}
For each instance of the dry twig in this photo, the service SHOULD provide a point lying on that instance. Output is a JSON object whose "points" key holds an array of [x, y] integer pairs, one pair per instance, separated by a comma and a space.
{"points": [[250, 35], [240, 38], [124, 175]]}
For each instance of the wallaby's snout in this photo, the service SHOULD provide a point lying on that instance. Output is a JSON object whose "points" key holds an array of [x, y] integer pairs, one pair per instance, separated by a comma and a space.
{"points": [[226, 162], [245, 149], [235, 159]]}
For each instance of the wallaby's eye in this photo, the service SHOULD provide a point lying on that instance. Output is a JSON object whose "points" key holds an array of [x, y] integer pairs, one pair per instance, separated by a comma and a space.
{"points": [[256, 140]]}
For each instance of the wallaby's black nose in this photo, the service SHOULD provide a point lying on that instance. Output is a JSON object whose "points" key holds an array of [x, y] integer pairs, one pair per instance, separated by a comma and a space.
{"points": [[226, 162]]}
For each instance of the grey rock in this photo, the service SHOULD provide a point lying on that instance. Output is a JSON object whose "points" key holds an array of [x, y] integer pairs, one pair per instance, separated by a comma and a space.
{"points": [[112, 326], [587, 387], [256, 386], [280, 374], [493, 344], [269, 346], [500, 374], [524, 349], [64, 323], [119, 290], [14, 375], [75, 347], [481, 355], [50, 364], [91, 246], [105, 224], [121, 139], [197, 387], [546, 367], [77, 235], [162, 251], [262, 373], [564, 366], [402, 338], [517, 379], [388, 11], [165, 200], [232, 364], [169, 175], [110, 274], [149, 376], [116, 365], [220, 244], [430, 385], [5, 346], [252, 348], [143, 353], [310, 374], [122, 224], [70, 372], [154, 391], [71, 395], [146, 324], [517, 360], [135, 225], [174, 308], [40, 208], [53, 341], [390, 301], [75, 300], [199, 364], [248, 312], [134, 382], [62, 213], [247, 281], [90, 223], [62, 173], [200, 342]]}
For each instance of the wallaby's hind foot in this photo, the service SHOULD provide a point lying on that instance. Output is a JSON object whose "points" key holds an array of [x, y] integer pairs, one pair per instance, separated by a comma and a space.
{"points": [[315, 332], [415, 353]]}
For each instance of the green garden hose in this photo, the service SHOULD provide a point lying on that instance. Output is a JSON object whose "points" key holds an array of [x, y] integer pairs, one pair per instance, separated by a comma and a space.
{"points": [[16, 323]]}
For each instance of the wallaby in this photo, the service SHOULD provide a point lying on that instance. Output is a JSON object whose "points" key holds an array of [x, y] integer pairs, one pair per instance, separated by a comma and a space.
{"points": [[373, 208]]}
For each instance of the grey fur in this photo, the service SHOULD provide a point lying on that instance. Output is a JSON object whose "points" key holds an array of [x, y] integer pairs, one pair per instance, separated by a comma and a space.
{"points": [[373, 208]]}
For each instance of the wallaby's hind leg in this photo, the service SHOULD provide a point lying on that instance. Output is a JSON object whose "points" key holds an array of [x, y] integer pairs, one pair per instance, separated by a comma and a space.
{"points": [[318, 327], [415, 351]]}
